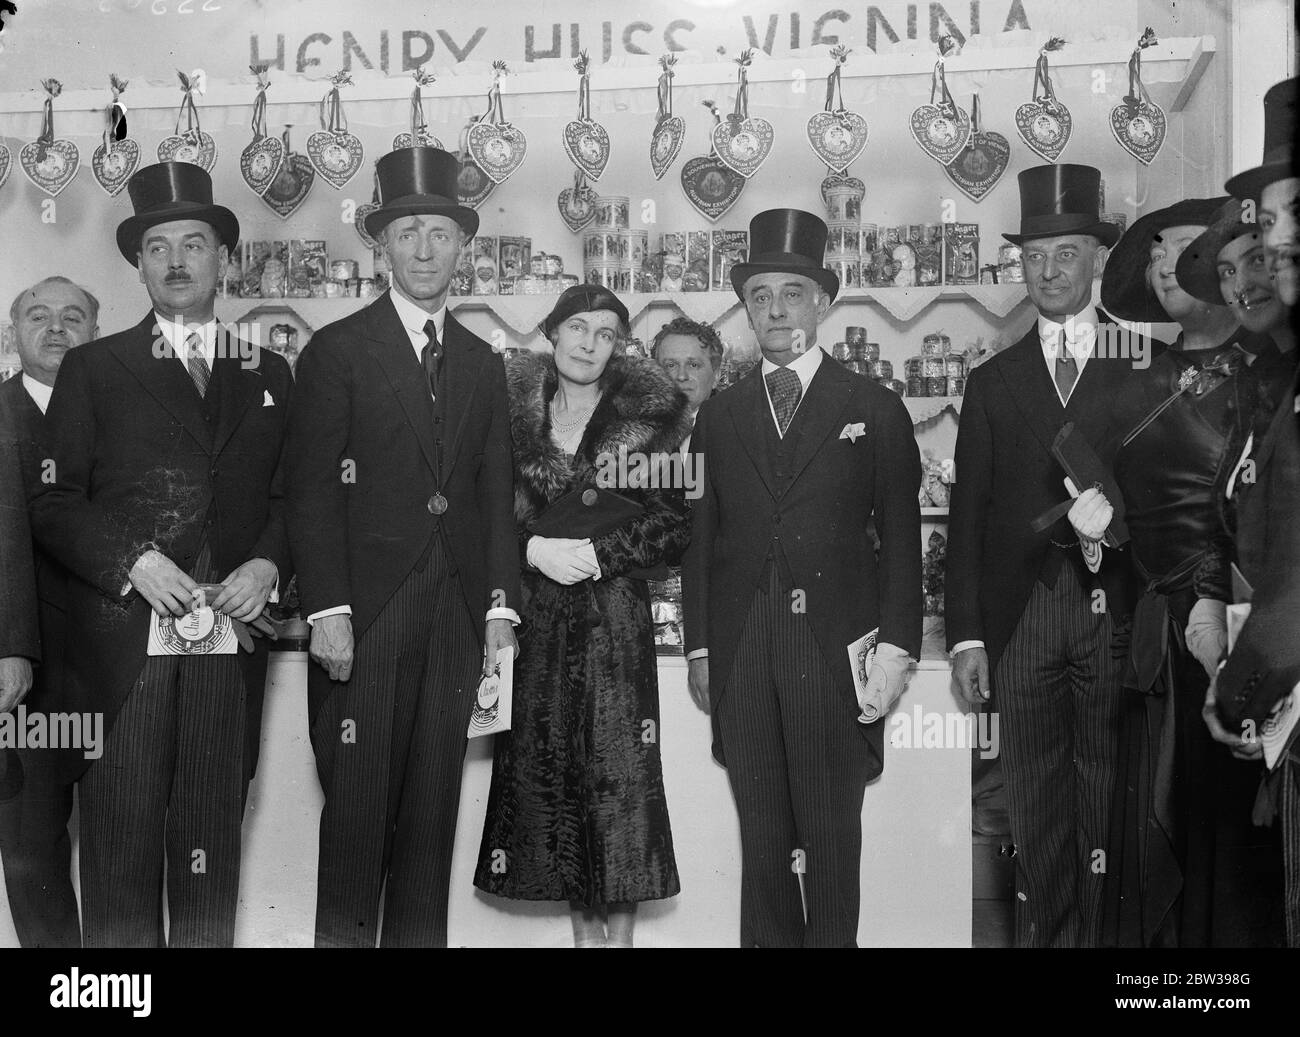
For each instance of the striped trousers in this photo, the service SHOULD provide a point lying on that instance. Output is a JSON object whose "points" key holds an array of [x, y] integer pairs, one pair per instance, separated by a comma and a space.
{"points": [[1058, 690], [390, 746], [798, 770]]}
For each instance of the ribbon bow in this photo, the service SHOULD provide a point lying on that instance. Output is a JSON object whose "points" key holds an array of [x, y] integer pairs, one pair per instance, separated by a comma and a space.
{"points": [[1043, 77]]}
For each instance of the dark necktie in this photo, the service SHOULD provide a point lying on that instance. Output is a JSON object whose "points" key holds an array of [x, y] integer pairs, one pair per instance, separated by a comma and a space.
{"points": [[1067, 370], [198, 363], [785, 390], [431, 356]]}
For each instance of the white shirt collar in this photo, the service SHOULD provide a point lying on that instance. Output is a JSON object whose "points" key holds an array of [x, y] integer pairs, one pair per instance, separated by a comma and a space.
{"points": [[804, 365], [413, 319], [177, 336], [1080, 334], [38, 391]]}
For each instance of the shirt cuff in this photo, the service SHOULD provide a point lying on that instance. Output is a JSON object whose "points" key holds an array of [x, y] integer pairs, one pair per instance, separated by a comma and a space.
{"points": [[504, 613], [1091, 553], [699, 653], [961, 646], [337, 610]]}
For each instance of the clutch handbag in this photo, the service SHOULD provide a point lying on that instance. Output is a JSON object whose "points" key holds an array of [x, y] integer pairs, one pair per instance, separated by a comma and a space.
{"points": [[588, 513]]}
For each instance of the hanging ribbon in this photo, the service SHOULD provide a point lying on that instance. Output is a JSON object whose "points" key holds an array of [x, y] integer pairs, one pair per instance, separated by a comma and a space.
{"points": [[336, 121], [1137, 91], [52, 90], [974, 114], [188, 110], [1042, 76], [584, 87], [495, 112], [938, 84], [717, 121], [116, 113], [259, 103], [834, 91], [665, 88], [742, 92], [418, 124]]}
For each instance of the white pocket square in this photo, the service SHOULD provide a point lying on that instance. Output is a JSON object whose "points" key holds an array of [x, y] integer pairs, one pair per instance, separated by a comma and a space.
{"points": [[851, 432], [267, 399]]}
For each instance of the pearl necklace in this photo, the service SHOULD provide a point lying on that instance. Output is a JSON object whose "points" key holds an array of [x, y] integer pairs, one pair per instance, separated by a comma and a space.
{"points": [[562, 429]]}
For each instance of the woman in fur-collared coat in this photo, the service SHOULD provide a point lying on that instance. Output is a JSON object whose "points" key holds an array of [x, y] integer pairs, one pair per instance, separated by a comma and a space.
{"points": [[577, 810]]}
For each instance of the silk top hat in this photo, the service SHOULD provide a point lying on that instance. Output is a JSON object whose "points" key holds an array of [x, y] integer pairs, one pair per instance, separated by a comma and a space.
{"points": [[1279, 133], [1125, 287], [786, 241], [419, 181], [1061, 199], [170, 191], [1198, 267]]}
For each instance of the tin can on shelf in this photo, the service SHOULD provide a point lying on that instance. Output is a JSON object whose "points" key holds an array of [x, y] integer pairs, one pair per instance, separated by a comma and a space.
{"points": [[567, 281], [343, 269], [554, 265], [842, 240], [868, 234], [537, 264], [894, 385], [282, 335], [506, 286], [935, 344], [612, 212], [335, 288], [954, 365], [840, 351], [365, 288], [872, 351], [956, 386], [915, 385], [1011, 264], [880, 370], [855, 335], [936, 386], [530, 284], [912, 367], [933, 367], [849, 271], [354, 287]]}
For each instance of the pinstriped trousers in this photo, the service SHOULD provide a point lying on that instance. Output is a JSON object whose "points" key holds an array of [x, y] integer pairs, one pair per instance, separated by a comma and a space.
{"points": [[1058, 690], [1290, 811], [798, 770], [390, 746]]}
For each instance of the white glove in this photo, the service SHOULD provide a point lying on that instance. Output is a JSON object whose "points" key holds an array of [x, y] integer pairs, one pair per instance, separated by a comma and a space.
{"points": [[1090, 514], [562, 560], [1207, 632], [885, 683]]}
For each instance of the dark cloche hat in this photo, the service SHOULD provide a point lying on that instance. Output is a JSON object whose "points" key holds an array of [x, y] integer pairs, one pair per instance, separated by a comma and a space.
{"points": [[1198, 267], [583, 298], [1279, 141]]}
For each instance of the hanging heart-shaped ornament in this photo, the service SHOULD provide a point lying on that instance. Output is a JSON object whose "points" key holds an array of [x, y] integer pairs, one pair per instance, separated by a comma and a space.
{"points": [[260, 163], [851, 188], [6, 163], [1137, 122], [837, 138], [193, 146], [337, 155], [359, 221], [292, 184], [498, 149], [472, 184], [743, 144], [979, 167], [1045, 126], [587, 144], [666, 144], [711, 186], [422, 139], [577, 204], [940, 127], [114, 163], [49, 163]]}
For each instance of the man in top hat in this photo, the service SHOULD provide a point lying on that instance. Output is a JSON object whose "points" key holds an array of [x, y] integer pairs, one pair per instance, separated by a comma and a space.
{"points": [[400, 506], [50, 318], [165, 442], [1022, 616], [803, 460]]}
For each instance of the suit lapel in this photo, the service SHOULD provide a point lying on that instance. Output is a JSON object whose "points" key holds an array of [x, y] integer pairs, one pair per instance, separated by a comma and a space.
{"points": [[1032, 390], [462, 366], [164, 378], [389, 344], [238, 387], [828, 394], [748, 412]]}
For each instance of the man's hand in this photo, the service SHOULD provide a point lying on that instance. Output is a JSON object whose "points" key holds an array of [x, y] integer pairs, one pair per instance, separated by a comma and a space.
{"points": [[562, 560], [1090, 514], [697, 681], [970, 672], [161, 583], [500, 633], [15, 681], [1242, 748], [331, 645], [247, 589], [885, 683]]}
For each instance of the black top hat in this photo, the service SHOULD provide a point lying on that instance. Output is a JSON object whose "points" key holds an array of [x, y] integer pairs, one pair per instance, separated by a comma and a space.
{"points": [[1279, 132], [786, 241], [584, 298], [419, 181], [1125, 289], [1056, 200], [1198, 267], [170, 191]]}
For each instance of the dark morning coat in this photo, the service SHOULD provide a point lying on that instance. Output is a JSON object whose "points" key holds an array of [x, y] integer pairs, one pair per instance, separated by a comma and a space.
{"points": [[839, 492], [19, 633], [361, 462], [141, 459], [1007, 477]]}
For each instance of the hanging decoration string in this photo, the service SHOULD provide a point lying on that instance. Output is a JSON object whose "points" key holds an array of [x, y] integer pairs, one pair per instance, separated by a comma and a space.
{"points": [[258, 124], [1137, 91], [52, 90], [584, 87], [116, 112], [938, 84], [419, 126], [337, 122], [834, 90], [495, 112], [974, 114], [665, 88], [187, 109], [742, 92], [717, 121], [1042, 76]]}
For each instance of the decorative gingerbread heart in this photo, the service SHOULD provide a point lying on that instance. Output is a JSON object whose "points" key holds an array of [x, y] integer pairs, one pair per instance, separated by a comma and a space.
{"points": [[835, 179], [1045, 127], [6, 163], [711, 186], [115, 169], [260, 163], [192, 146], [666, 144], [979, 167], [472, 184], [837, 138], [497, 148], [743, 144], [359, 221], [336, 155], [577, 207], [52, 166], [1140, 128], [425, 140], [586, 142], [940, 135], [290, 188]]}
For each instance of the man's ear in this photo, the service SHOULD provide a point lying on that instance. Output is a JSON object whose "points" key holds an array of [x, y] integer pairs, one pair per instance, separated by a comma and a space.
{"points": [[1099, 260], [223, 261], [823, 303], [139, 265]]}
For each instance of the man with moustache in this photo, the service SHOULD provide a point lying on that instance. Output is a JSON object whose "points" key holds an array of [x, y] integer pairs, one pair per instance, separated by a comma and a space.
{"points": [[1024, 619], [165, 443], [400, 489], [802, 461], [50, 318]]}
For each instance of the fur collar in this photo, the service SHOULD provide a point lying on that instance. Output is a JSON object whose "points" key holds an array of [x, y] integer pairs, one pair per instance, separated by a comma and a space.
{"points": [[640, 411]]}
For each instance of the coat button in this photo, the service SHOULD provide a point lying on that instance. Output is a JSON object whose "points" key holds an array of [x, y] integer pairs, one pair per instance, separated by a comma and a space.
{"points": [[437, 504], [589, 497]]}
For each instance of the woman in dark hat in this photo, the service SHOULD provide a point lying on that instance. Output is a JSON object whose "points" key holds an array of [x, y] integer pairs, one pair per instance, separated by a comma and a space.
{"points": [[577, 810], [1174, 873]]}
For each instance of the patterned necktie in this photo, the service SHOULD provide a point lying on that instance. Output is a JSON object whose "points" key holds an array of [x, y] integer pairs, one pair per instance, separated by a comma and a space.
{"points": [[1067, 370], [431, 356], [784, 388], [198, 363]]}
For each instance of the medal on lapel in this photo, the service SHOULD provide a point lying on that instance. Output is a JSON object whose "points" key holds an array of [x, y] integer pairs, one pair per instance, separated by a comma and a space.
{"points": [[941, 129], [742, 142], [335, 153], [586, 141], [1044, 122], [711, 186], [49, 163], [261, 161], [292, 184], [670, 130], [419, 135], [979, 167], [472, 184], [116, 159], [1137, 122], [193, 145], [498, 148], [837, 135]]}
